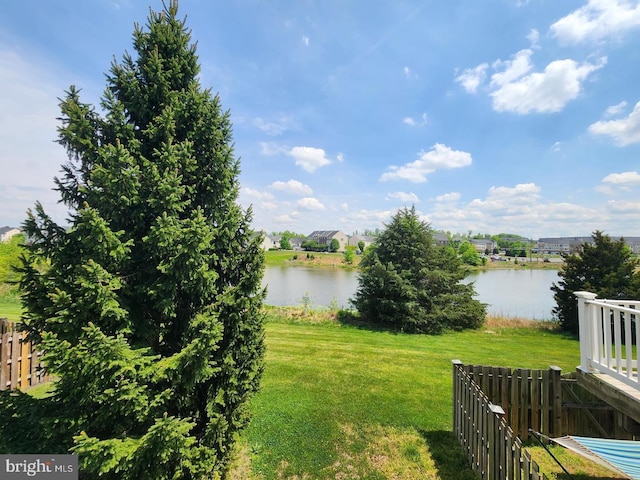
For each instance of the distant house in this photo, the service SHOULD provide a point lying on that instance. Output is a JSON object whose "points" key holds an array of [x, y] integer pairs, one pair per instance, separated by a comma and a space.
{"points": [[354, 240], [269, 242], [324, 237], [441, 239], [483, 245], [7, 232], [296, 243]]}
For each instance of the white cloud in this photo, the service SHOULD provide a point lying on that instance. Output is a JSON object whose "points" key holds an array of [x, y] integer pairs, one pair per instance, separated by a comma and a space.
{"points": [[415, 123], [614, 110], [309, 158], [305, 40], [515, 87], [340, 157], [439, 157], [345, 207], [448, 197], [310, 203], [287, 218], [509, 199], [406, 71], [519, 65], [273, 128], [522, 205], [625, 178], [257, 194], [622, 207], [543, 92], [372, 217], [404, 197], [533, 37], [269, 149], [597, 20], [292, 186], [521, 192], [624, 131], [472, 78]]}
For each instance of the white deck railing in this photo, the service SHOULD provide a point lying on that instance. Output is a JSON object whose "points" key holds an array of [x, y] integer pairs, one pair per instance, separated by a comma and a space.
{"points": [[609, 332]]}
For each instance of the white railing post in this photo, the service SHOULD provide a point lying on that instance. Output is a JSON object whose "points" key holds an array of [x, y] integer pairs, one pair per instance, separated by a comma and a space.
{"points": [[585, 329]]}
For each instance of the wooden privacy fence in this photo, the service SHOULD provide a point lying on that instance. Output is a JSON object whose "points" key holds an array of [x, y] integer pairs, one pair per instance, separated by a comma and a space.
{"points": [[493, 449], [549, 402], [20, 365], [529, 398]]}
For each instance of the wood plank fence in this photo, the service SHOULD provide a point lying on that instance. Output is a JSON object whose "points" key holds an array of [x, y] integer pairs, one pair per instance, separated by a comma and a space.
{"points": [[493, 449], [20, 364], [529, 398], [495, 407], [549, 402]]}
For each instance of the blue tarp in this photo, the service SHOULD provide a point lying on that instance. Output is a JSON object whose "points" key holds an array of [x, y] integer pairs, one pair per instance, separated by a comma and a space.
{"points": [[620, 455]]}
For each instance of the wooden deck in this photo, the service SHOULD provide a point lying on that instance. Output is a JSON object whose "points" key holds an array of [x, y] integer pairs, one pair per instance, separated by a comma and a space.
{"points": [[609, 333], [619, 395]]}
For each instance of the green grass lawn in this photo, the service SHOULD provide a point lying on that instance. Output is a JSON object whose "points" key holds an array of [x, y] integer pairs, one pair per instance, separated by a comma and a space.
{"points": [[342, 402], [10, 306], [281, 258], [338, 401]]}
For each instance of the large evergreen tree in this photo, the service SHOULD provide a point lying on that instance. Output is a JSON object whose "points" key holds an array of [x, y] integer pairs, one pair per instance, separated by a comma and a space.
{"points": [[149, 307], [604, 267], [409, 283]]}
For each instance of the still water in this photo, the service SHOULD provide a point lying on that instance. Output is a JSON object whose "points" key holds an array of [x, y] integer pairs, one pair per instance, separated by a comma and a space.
{"points": [[510, 293]]}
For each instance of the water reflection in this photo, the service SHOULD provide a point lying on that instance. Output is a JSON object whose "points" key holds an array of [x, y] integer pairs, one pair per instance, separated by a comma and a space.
{"points": [[514, 293], [324, 286], [520, 293]]}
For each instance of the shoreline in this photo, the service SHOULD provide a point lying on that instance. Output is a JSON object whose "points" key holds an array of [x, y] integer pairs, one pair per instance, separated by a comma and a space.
{"points": [[293, 258]]}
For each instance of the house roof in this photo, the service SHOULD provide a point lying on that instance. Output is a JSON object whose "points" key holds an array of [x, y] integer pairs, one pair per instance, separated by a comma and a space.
{"points": [[4, 230], [324, 233]]}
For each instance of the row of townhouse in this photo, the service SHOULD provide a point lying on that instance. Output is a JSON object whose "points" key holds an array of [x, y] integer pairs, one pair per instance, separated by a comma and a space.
{"points": [[568, 245], [323, 237]]}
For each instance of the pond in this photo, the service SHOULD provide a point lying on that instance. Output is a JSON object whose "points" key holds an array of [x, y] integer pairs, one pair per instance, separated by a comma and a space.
{"points": [[519, 293]]}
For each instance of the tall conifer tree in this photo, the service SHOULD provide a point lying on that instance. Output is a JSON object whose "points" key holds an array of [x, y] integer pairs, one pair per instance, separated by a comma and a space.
{"points": [[148, 307], [409, 283]]}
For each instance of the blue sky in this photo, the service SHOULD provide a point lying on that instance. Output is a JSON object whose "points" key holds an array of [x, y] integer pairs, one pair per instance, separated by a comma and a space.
{"points": [[491, 116]]}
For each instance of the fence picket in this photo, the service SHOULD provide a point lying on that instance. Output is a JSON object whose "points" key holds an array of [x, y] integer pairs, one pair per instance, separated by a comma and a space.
{"points": [[19, 362], [493, 449]]}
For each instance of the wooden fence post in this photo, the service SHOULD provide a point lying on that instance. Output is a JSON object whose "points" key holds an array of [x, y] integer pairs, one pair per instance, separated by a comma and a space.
{"points": [[5, 365], [456, 398], [496, 441], [556, 389]]}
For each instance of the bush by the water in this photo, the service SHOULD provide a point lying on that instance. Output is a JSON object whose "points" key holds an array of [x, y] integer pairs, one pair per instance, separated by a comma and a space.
{"points": [[409, 283]]}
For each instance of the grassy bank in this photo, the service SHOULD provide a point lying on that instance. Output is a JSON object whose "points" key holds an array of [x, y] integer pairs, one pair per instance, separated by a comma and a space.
{"points": [[340, 401], [283, 258]]}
